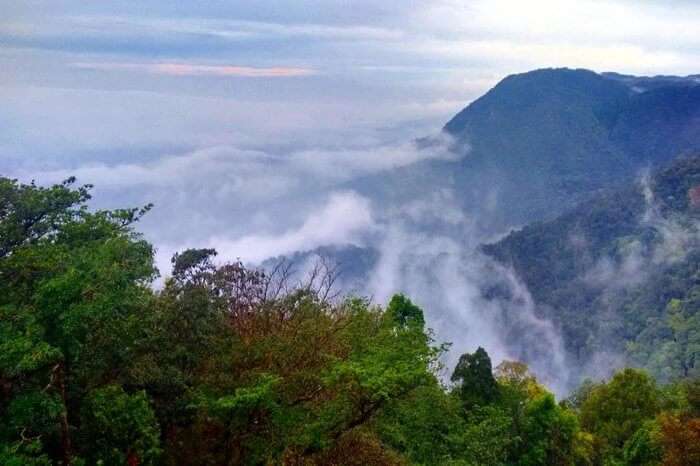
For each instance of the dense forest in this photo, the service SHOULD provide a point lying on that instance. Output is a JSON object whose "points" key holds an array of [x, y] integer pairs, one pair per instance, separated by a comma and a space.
{"points": [[227, 365], [619, 273]]}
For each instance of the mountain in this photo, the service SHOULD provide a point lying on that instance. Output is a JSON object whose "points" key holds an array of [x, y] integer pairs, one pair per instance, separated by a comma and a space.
{"points": [[619, 275], [547, 139], [609, 261], [541, 142]]}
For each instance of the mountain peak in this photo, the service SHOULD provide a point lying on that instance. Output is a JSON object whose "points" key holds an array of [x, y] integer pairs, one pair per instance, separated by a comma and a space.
{"points": [[524, 90], [550, 137]]}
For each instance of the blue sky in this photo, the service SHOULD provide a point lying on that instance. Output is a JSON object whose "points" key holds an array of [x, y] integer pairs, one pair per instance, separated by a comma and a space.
{"points": [[221, 112]]}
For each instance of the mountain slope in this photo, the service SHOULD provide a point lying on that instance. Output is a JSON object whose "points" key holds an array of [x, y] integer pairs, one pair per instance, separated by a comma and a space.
{"points": [[541, 142], [549, 138], [620, 274]]}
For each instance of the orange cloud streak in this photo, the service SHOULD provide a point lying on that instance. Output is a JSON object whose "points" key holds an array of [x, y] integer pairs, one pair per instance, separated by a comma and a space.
{"points": [[184, 69]]}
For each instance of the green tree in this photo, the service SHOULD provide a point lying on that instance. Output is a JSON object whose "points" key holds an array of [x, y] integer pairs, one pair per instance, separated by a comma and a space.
{"points": [[119, 428], [477, 385], [29, 213], [644, 447], [426, 426], [489, 437], [73, 284], [615, 410], [549, 433], [404, 312]]}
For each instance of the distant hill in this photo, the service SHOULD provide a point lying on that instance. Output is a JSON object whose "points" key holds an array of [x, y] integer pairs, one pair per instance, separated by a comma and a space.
{"points": [[614, 264], [350, 265], [541, 142], [620, 274], [547, 139]]}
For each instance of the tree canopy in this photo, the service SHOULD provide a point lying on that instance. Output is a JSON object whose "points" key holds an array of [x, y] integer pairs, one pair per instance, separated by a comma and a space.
{"points": [[228, 365]]}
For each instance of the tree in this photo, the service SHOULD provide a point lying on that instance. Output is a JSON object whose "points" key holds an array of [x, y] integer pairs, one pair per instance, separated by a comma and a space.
{"points": [[473, 372], [404, 312], [489, 437], [615, 410], [72, 286], [228, 364], [29, 213], [680, 439], [644, 447], [426, 427], [549, 433], [193, 266], [119, 428]]}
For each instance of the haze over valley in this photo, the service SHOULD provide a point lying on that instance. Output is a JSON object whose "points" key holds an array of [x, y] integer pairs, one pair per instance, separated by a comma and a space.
{"points": [[279, 232]]}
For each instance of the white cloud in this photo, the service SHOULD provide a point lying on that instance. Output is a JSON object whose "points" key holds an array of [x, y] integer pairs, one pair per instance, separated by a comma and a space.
{"points": [[229, 29], [501, 35], [344, 219], [526, 55], [248, 203], [252, 174], [515, 36], [444, 273], [582, 22]]}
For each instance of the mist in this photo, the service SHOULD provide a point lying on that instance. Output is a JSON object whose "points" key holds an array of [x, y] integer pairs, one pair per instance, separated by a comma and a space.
{"points": [[429, 249]]}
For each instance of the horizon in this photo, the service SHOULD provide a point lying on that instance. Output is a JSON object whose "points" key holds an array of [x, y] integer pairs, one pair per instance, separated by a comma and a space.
{"points": [[178, 99]]}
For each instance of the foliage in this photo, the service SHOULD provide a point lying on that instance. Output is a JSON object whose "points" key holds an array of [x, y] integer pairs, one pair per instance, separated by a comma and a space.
{"points": [[119, 428], [619, 274], [548, 432], [477, 386], [644, 448], [680, 439], [230, 365], [404, 312], [488, 437], [425, 426], [614, 411]]}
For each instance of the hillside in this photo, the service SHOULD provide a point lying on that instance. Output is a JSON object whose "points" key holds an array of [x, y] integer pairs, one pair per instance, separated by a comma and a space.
{"points": [[547, 139], [536, 145], [620, 274]]}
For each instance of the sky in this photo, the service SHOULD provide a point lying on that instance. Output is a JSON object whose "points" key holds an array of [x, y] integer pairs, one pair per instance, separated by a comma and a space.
{"points": [[246, 122]]}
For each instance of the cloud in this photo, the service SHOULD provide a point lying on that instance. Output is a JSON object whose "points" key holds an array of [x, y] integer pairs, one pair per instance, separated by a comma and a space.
{"points": [[249, 201], [344, 219], [255, 174], [427, 249], [141, 35], [186, 69], [526, 55], [260, 167], [675, 234], [228, 29], [439, 35], [571, 22]]}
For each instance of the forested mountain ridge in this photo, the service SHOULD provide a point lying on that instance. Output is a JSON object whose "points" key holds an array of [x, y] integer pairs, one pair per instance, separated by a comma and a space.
{"points": [[549, 138], [620, 274], [540, 142]]}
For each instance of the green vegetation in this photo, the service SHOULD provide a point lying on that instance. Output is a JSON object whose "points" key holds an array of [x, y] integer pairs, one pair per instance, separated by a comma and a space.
{"points": [[619, 274], [550, 138], [226, 365]]}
